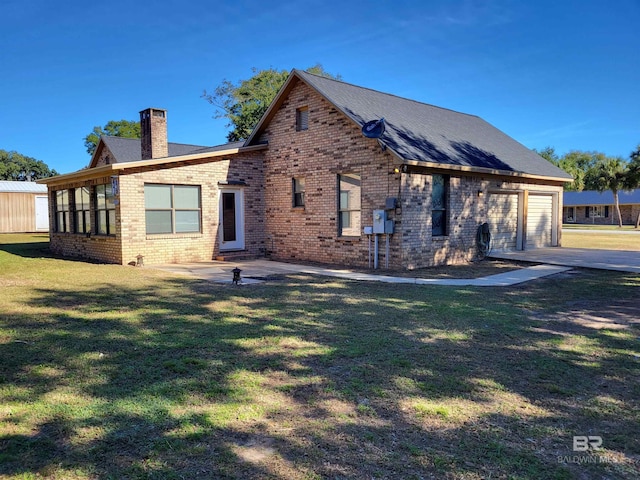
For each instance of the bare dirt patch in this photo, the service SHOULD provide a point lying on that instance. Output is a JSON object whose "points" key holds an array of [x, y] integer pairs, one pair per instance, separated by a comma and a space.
{"points": [[619, 315]]}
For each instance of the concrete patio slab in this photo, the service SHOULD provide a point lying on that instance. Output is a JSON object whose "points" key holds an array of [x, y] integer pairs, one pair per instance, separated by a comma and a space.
{"points": [[617, 260], [255, 271]]}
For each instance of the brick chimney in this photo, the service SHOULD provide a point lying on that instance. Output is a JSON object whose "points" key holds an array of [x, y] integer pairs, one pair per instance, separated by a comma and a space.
{"points": [[153, 129]]}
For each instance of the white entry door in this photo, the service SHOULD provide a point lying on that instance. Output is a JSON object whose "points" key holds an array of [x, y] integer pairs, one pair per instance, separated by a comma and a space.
{"points": [[231, 219], [42, 213]]}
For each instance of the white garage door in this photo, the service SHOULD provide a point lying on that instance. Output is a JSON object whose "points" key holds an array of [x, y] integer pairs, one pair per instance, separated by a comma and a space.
{"points": [[502, 217], [540, 221]]}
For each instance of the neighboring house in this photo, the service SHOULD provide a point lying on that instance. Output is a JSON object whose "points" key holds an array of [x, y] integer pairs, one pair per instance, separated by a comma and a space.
{"points": [[308, 186], [595, 208], [24, 207]]}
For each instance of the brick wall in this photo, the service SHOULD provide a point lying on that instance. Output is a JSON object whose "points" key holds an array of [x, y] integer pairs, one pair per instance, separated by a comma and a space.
{"points": [[467, 210], [131, 239], [629, 214], [332, 145], [102, 248], [105, 157], [190, 247], [153, 131]]}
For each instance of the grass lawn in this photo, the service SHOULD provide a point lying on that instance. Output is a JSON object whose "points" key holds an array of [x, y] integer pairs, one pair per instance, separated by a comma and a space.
{"points": [[583, 226], [120, 372], [601, 240]]}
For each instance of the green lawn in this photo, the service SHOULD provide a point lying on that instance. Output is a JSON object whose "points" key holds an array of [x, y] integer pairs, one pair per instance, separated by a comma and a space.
{"points": [[582, 226], [601, 240], [121, 372]]}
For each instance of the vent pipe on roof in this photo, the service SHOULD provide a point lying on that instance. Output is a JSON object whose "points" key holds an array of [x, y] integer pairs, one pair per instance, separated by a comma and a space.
{"points": [[153, 129]]}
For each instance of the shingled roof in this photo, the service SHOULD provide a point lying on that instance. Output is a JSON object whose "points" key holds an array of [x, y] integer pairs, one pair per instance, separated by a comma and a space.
{"points": [[591, 197], [418, 132], [130, 150]]}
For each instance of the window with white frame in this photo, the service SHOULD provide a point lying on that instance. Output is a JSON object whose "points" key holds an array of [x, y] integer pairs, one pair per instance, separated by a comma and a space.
{"points": [[349, 205], [597, 211], [172, 208]]}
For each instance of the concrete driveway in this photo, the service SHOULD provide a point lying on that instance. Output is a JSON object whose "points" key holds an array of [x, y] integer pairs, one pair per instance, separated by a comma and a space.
{"points": [[620, 260]]}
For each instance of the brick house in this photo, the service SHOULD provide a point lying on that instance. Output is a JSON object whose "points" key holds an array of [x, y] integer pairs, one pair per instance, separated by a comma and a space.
{"points": [[595, 208], [307, 185]]}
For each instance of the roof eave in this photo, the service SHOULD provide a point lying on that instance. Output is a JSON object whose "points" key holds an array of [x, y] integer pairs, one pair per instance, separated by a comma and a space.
{"points": [[485, 171], [117, 167]]}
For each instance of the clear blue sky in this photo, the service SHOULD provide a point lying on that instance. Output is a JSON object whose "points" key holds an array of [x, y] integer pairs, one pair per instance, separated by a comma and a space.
{"points": [[558, 73]]}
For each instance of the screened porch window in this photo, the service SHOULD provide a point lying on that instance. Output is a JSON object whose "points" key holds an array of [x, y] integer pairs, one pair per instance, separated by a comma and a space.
{"points": [[105, 210], [62, 211], [83, 208]]}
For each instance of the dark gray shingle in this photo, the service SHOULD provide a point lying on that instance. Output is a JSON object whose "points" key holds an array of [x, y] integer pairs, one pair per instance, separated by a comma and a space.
{"points": [[422, 132], [129, 149]]}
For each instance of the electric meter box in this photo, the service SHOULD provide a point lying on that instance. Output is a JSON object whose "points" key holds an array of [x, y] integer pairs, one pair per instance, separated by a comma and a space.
{"points": [[388, 226], [379, 221]]}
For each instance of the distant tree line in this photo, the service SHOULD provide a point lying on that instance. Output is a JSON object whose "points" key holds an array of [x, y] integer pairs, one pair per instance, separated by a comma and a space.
{"points": [[20, 168], [596, 171]]}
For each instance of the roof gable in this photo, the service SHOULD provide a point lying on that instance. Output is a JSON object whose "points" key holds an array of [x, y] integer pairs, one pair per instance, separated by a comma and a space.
{"points": [[424, 133]]}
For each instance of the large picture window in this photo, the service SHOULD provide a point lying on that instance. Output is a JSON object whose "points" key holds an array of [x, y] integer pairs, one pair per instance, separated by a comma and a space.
{"points": [[439, 194], [172, 208], [349, 205], [105, 210], [83, 208], [62, 211]]}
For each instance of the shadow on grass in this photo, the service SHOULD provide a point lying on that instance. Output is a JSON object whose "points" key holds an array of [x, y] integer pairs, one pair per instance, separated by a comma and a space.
{"points": [[36, 248], [313, 378]]}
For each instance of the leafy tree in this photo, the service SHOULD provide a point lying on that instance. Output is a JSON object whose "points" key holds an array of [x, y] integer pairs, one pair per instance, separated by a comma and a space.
{"points": [[244, 103], [633, 174], [17, 167], [575, 163], [113, 128], [610, 173], [634, 168], [549, 153]]}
